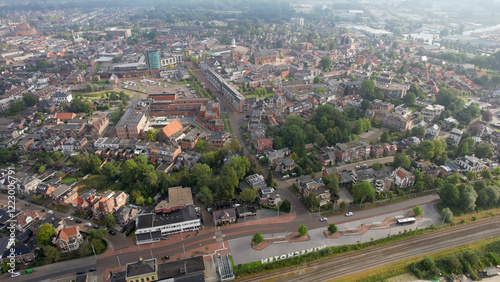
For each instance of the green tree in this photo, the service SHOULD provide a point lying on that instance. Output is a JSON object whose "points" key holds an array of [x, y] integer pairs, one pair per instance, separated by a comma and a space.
{"points": [[111, 171], [325, 63], [44, 234], [332, 228], [362, 191], [194, 60], [317, 79], [449, 195], [417, 211], [471, 175], [302, 230], [257, 238], [419, 176], [41, 169], [486, 173], [409, 99], [201, 146], [483, 150], [109, 221], [468, 198], [367, 89], [202, 173], [29, 100], [447, 215], [51, 254], [97, 233], [269, 179], [248, 195], [401, 160], [94, 163], [418, 131], [285, 206], [342, 206], [311, 201], [384, 138], [129, 170], [206, 195], [151, 135], [228, 181], [241, 165]]}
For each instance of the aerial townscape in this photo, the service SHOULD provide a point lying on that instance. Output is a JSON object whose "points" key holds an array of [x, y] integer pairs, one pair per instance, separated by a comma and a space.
{"points": [[250, 140]]}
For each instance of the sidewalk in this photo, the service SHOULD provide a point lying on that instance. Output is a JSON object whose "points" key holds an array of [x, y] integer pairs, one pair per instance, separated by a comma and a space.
{"points": [[206, 234]]}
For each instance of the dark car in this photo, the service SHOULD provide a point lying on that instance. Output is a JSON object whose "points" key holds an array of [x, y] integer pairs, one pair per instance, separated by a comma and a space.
{"points": [[112, 232], [123, 229], [78, 220], [43, 210], [89, 217], [92, 269], [81, 272], [165, 257], [95, 226]]}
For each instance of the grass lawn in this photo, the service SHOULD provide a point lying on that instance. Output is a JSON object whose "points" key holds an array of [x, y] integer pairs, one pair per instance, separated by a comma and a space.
{"points": [[59, 208], [97, 182], [67, 179]]}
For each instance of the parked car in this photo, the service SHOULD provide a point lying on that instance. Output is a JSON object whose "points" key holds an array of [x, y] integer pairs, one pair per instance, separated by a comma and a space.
{"points": [[43, 210], [323, 219], [28, 271], [89, 217], [165, 257], [70, 218], [15, 274], [349, 214], [123, 229], [27, 204], [51, 212], [92, 269], [95, 226], [112, 232], [81, 272], [286, 176], [78, 220], [89, 224]]}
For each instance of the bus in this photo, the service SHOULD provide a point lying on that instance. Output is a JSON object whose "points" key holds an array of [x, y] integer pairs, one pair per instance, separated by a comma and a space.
{"points": [[409, 220]]}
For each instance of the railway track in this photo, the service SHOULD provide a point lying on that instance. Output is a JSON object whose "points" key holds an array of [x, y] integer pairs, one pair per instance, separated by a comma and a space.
{"points": [[357, 261]]}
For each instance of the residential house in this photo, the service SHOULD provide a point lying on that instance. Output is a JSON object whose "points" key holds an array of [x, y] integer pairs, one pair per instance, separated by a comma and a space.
{"points": [[352, 151], [109, 203], [169, 131], [65, 194], [376, 151], [403, 178], [62, 97], [125, 214], [455, 135], [98, 127], [178, 198], [25, 219], [44, 190], [224, 216], [284, 164], [68, 239], [255, 180], [471, 163], [191, 138], [432, 131], [390, 119], [262, 145], [268, 197], [22, 254], [432, 112], [65, 117], [218, 139]]}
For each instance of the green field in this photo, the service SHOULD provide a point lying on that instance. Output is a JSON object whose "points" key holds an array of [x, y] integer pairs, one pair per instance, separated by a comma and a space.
{"points": [[97, 182]]}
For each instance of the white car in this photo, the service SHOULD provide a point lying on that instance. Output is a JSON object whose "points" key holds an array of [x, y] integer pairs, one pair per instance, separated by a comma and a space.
{"points": [[15, 274], [349, 214], [88, 224], [323, 219], [51, 212], [70, 218]]}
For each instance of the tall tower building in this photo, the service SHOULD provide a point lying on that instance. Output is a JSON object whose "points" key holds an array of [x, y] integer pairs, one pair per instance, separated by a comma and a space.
{"points": [[153, 59]]}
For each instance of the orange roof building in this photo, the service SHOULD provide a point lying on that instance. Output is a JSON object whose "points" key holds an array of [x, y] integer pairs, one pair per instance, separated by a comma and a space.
{"points": [[68, 239], [65, 116], [172, 128]]}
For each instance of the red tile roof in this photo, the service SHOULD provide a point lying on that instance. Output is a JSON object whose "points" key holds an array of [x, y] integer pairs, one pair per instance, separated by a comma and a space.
{"points": [[172, 128]]}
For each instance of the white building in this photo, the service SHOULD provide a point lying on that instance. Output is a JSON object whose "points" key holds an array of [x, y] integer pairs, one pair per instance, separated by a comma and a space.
{"points": [[403, 178], [432, 112], [62, 97], [151, 227], [433, 130], [455, 135], [471, 163]]}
